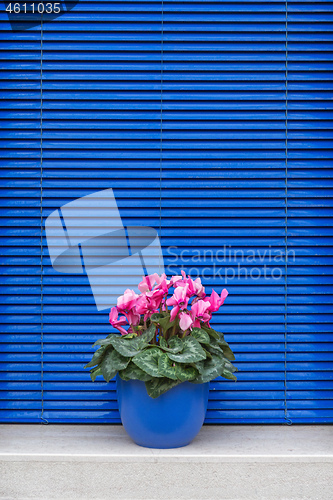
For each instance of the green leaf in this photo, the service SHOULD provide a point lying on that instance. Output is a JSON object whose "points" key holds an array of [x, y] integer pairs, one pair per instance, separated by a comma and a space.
{"points": [[148, 361], [213, 333], [155, 318], [220, 340], [209, 370], [118, 361], [133, 372], [226, 350], [163, 319], [130, 336], [200, 365], [229, 366], [146, 337], [191, 353], [216, 367], [208, 354], [214, 349], [224, 363], [174, 345], [129, 347], [112, 362], [228, 375], [97, 357], [107, 341], [95, 372], [185, 373], [126, 347], [163, 343], [200, 335], [158, 386], [165, 367], [222, 347]]}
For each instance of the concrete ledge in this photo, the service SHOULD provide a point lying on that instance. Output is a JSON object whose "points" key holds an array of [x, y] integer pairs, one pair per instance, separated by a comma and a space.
{"points": [[78, 462]]}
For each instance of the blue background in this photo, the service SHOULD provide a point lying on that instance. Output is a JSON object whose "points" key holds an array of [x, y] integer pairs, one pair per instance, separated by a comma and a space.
{"points": [[212, 122]]}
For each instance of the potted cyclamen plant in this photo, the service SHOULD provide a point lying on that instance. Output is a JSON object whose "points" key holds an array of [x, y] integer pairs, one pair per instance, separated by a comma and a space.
{"points": [[165, 359]]}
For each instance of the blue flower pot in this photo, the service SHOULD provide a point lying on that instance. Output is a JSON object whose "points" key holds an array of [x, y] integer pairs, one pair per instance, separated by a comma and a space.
{"points": [[170, 421]]}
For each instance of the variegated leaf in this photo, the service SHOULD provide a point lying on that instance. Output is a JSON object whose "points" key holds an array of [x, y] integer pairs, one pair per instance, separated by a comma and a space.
{"points": [[148, 361], [157, 386], [133, 372], [166, 368], [191, 353], [185, 373]]}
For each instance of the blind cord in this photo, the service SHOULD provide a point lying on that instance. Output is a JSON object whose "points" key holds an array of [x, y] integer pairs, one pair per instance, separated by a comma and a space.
{"points": [[42, 418], [161, 140], [286, 417]]}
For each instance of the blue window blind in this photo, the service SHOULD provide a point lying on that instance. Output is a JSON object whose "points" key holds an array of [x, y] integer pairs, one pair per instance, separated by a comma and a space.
{"points": [[211, 121]]}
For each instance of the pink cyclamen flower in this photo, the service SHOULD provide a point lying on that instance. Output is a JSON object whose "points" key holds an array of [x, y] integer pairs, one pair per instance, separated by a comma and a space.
{"points": [[199, 288], [185, 321], [191, 290], [179, 300], [127, 301], [133, 317], [117, 323], [154, 298], [200, 313], [148, 282], [216, 301], [159, 290], [184, 279], [156, 295], [194, 287], [174, 280], [147, 306]]}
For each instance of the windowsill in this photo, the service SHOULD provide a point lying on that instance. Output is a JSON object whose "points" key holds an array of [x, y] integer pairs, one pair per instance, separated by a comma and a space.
{"points": [[92, 461]]}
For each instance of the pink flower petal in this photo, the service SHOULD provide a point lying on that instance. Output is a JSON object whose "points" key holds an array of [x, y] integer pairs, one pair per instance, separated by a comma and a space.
{"points": [[174, 313], [224, 295], [185, 321]]}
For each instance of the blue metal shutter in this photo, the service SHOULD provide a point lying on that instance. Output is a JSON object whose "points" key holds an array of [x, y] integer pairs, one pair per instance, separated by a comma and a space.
{"points": [[211, 121], [224, 119], [21, 222], [309, 223]]}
